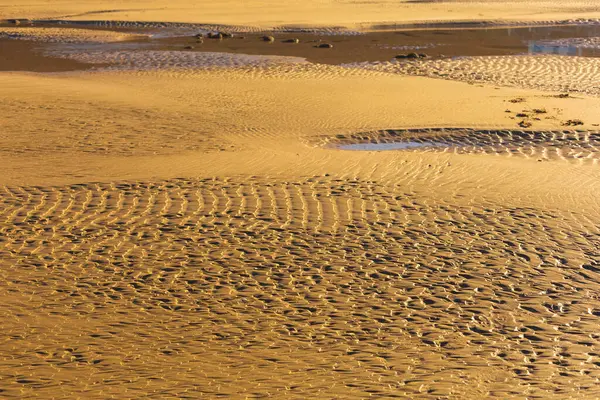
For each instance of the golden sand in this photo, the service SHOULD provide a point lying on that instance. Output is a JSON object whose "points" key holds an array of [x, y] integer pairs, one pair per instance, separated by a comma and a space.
{"points": [[172, 231], [275, 13]]}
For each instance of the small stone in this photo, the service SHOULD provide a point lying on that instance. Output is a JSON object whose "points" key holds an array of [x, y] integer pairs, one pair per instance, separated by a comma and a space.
{"points": [[292, 41], [268, 38], [573, 122], [410, 56], [213, 35], [227, 35], [522, 115], [325, 46], [189, 47], [525, 124]]}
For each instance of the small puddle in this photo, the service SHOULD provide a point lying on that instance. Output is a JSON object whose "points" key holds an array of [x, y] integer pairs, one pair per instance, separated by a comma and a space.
{"points": [[390, 146], [562, 49]]}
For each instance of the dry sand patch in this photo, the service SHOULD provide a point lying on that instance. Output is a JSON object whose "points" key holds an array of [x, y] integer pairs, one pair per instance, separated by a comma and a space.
{"points": [[270, 13]]}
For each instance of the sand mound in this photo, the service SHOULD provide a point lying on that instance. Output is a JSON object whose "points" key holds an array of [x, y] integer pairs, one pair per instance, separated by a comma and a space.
{"points": [[64, 35], [148, 60], [549, 73]]}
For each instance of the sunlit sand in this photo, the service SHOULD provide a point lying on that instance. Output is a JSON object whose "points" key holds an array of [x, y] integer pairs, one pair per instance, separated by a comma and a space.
{"points": [[182, 217]]}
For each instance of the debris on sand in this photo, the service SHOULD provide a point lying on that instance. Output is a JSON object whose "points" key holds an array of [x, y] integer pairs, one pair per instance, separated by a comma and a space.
{"points": [[573, 122], [525, 124]]}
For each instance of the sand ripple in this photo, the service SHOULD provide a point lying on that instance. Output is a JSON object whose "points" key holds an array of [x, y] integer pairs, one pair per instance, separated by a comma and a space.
{"points": [[170, 60], [541, 145], [550, 73], [308, 288], [64, 35]]}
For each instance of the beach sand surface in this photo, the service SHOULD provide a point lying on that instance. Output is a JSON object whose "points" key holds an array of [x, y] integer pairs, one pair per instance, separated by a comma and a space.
{"points": [[176, 231], [330, 13]]}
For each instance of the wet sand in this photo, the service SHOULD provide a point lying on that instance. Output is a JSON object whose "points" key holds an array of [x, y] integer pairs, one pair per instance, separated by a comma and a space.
{"points": [[436, 43], [29, 56], [384, 46], [182, 225]]}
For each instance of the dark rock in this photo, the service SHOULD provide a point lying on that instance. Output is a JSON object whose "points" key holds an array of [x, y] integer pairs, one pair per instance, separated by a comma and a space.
{"points": [[525, 124], [325, 46], [215, 35], [410, 56], [227, 35], [292, 41], [573, 122], [268, 38], [189, 47]]}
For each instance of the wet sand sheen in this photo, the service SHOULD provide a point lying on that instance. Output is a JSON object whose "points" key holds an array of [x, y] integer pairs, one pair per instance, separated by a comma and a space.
{"points": [[436, 43]]}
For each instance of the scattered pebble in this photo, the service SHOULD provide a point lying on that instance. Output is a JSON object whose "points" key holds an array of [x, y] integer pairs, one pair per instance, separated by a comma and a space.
{"points": [[573, 122], [411, 56], [213, 35], [525, 124]]}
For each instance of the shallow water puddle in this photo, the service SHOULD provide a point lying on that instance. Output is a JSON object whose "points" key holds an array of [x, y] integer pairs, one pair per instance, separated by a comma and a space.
{"points": [[541, 145], [390, 146]]}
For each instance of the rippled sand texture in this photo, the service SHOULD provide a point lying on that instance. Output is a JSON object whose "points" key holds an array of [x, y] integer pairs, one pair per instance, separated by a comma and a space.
{"points": [[59, 35], [583, 146], [309, 288], [168, 231], [552, 73]]}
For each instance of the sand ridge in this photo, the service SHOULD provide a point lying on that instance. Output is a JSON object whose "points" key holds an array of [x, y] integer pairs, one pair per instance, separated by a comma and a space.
{"points": [[60, 35]]}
